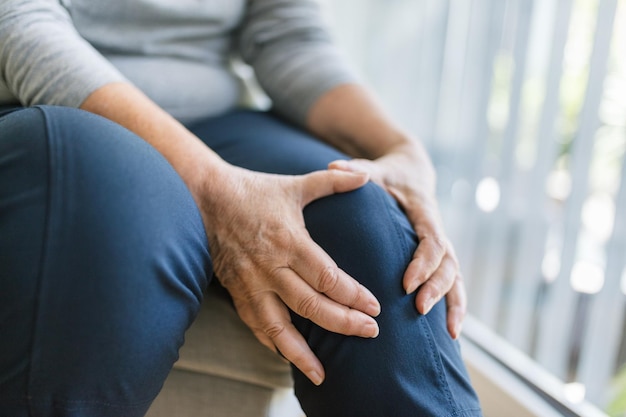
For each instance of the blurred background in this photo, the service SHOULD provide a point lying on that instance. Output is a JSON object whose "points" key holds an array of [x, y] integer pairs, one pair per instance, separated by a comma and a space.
{"points": [[522, 105]]}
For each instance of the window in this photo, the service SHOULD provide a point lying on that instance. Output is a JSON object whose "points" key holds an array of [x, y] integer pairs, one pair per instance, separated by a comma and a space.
{"points": [[522, 104]]}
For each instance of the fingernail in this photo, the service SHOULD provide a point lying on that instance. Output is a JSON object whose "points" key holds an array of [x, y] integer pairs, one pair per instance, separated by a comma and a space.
{"points": [[316, 378], [457, 330], [411, 288], [340, 163], [347, 166], [372, 329], [428, 305]]}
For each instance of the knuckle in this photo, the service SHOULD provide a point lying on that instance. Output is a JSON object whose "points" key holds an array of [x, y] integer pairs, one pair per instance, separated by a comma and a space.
{"points": [[274, 329], [448, 276], [446, 286], [358, 294], [350, 325], [457, 310], [446, 273], [436, 286], [309, 306], [274, 274], [439, 244], [328, 279]]}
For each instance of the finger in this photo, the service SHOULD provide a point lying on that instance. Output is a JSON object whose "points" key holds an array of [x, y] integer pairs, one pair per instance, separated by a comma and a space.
{"points": [[250, 318], [326, 313], [457, 306], [353, 165], [436, 286], [318, 269], [426, 260], [320, 184], [271, 324], [432, 245], [357, 166]]}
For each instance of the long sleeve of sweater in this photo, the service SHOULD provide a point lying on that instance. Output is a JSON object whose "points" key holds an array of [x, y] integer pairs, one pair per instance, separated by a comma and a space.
{"points": [[176, 52], [42, 57], [294, 59]]}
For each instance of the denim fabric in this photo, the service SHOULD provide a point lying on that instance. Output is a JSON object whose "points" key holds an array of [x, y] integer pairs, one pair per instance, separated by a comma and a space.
{"points": [[103, 262]]}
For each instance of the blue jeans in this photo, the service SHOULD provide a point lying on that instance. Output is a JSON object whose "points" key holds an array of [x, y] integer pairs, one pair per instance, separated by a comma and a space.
{"points": [[104, 260]]}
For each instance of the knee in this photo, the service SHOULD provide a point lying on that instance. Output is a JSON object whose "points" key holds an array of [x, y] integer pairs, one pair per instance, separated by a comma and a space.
{"points": [[369, 237], [366, 233], [128, 206]]}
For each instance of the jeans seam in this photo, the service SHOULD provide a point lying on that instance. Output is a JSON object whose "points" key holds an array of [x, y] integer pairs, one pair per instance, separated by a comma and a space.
{"points": [[54, 178], [463, 411], [42, 258], [437, 359]]}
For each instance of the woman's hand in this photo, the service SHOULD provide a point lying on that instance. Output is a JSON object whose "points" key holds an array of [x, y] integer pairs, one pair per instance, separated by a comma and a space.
{"points": [[260, 248], [263, 255], [407, 174]]}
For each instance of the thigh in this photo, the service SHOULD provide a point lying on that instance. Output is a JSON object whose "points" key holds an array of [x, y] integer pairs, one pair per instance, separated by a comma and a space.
{"points": [[413, 367], [262, 142], [103, 263]]}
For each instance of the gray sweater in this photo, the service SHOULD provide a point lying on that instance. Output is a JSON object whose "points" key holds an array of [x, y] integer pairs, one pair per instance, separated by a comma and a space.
{"points": [[177, 51]]}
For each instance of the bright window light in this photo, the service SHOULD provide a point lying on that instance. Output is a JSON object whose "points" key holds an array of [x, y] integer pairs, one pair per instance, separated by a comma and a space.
{"points": [[574, 392], [488, 194], [559, 184], [598, 215], [587, 277], [551, 265]]}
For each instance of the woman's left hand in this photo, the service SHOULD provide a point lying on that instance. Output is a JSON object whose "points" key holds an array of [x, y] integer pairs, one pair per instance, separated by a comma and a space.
{"points": [[407, 174]]}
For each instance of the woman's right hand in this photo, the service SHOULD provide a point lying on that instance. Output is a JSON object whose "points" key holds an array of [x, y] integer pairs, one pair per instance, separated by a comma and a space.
{"points": [[260, 248], [263, 255]]}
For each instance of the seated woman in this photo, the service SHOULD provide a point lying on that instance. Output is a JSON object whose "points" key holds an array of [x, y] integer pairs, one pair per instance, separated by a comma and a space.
{"points": [[128, 178]]}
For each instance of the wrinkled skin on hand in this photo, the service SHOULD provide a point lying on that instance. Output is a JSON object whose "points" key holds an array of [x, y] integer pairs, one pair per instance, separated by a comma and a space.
{"points": [[407, 174], [263, 255]]}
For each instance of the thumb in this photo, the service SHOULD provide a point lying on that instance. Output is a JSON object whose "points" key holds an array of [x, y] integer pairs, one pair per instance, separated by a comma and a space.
{"points": [[320, 184]]}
